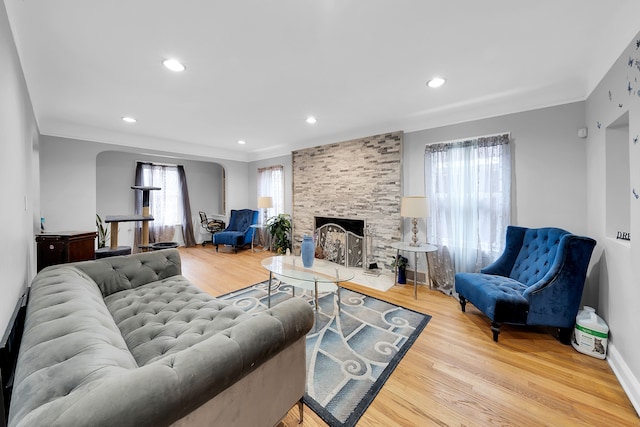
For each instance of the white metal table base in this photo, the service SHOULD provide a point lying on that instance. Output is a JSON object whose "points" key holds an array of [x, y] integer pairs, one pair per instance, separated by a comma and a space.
{"points": [[315, 296], [415, 272]]}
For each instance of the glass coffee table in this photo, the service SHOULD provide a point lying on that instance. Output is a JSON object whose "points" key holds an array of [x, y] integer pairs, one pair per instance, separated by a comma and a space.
{"points": [[322, 276]]}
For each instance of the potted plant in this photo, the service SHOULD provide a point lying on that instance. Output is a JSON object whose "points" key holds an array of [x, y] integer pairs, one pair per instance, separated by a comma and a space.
{"points": [[279, 227], [103, 232], [401, 262]]}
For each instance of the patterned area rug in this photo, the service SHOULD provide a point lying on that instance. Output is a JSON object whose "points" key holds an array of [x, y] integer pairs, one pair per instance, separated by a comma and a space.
{"points": [[350, 356]]}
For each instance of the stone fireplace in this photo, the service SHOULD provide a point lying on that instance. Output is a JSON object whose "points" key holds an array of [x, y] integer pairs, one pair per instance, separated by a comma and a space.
{"points": [[356, 180]]}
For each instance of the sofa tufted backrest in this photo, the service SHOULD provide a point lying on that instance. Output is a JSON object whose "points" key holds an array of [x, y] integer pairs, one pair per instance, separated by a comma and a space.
{"points": [[65, 308], [539, 249], [127, 272]]}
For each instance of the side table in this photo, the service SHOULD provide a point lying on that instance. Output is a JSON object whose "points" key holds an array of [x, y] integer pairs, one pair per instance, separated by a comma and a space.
{"points": [[260, 229], [422, 248]]}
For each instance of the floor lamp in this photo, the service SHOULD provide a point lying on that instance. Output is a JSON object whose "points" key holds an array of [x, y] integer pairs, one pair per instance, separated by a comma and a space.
{"points": [[414, 207]]}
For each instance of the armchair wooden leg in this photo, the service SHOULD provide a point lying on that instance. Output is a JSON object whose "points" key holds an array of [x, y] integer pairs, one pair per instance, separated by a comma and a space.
{"points": [[301, 409], [564, 335], [463, 303], [495, 328]]}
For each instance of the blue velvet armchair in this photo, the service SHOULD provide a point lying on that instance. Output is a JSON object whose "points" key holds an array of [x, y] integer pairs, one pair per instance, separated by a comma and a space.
{"points": [[239, 231], [538, 280]]}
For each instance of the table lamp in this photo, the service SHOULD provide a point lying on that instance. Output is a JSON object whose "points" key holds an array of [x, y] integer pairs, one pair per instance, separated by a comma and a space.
{"points": [[265, 202], [414, 207]]}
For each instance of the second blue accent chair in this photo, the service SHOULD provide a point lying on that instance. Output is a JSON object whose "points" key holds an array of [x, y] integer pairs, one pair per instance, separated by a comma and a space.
{"points": [[538, 280], [239, 231]]}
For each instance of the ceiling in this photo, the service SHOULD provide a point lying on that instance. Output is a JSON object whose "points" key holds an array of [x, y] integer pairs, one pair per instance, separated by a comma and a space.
{"points": [[256, 69]]}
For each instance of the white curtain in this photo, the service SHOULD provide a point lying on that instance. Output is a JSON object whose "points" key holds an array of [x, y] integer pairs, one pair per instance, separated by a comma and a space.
{"points": [[271, 183], [165, 204], [468, 184]]}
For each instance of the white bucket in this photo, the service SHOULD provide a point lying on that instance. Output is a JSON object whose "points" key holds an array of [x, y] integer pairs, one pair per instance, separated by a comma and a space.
{"points": [[591, 333]]}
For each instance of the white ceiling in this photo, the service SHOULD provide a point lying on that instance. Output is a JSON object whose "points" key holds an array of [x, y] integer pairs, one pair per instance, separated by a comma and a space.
{"points": [[256, 69]]}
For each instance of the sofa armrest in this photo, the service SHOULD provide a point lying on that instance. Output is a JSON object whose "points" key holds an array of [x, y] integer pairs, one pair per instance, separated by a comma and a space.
{"points": [[503, 265], [249, 232], [119, 273], [211, 366], [555, 299], [268, 332]]}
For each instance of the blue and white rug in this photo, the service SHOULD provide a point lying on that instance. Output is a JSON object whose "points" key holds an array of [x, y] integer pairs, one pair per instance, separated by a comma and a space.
{"points": [[350, 356]]}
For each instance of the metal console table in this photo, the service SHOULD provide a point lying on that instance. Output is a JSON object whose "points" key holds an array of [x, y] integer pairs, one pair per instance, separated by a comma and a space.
{"points": [[422, 248]]}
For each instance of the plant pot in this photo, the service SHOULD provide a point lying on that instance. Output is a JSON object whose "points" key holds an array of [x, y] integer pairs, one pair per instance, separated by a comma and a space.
{"points": [[402, 276], [279, 227]]}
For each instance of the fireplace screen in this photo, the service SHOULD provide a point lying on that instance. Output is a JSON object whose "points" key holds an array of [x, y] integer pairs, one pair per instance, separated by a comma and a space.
{"points": [[337, 244]]}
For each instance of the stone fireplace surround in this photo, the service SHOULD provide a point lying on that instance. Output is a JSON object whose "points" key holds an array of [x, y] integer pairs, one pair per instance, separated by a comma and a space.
{"points": [[358, 179]]}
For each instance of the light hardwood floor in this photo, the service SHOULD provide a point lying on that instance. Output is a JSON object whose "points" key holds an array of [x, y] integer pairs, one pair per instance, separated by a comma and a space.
{"points": [[454, 374]]}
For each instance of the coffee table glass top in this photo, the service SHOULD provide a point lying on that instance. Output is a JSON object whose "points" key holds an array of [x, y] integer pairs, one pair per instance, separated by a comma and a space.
{"points": [[321, 271]]}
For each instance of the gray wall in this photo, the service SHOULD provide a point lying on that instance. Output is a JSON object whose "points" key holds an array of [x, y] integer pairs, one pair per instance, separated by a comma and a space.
{"points": [[115, 172], [548, 164], [68, 172], [617, 262], [19, 176], [285, 162]]}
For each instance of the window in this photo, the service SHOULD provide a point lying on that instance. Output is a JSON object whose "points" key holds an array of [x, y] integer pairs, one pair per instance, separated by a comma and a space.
{"points": [[169, 206], [468, 184], [165, 204], [271, 183]]}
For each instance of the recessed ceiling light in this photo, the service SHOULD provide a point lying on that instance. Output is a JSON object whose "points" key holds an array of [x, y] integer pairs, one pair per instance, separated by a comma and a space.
{"points": [[128, 119], [311, 120], [242, 142], [436, 82], [173, 65]]}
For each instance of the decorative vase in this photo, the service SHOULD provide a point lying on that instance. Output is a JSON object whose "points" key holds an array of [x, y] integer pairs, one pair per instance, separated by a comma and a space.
{"points": [[307, 251], [402, 276]]}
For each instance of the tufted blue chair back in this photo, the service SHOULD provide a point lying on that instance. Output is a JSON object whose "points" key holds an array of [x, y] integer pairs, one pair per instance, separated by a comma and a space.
{"points": [[536, 256], [240, 220]]}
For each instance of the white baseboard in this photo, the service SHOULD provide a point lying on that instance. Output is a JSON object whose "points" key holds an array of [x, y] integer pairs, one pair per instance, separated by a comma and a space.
{"points": [[629, 383]]}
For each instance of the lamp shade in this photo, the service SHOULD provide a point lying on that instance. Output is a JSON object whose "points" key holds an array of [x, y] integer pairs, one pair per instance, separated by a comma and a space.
{"points": [[265, 202], [414, 207]]}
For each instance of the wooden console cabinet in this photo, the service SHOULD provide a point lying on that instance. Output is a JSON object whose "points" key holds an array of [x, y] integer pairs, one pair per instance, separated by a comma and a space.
{"points": [[66, 246]]}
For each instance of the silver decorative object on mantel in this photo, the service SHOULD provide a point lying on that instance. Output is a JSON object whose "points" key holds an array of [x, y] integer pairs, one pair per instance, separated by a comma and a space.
{"points": [[370, 267]]}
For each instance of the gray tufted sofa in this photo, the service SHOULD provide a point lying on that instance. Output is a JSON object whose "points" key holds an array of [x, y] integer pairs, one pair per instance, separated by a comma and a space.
{"points": [[128, 341]]}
